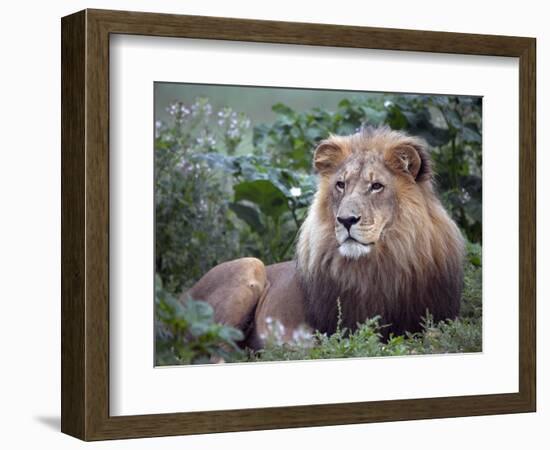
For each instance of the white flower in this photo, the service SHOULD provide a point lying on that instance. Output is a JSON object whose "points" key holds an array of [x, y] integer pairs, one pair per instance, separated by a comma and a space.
{"points": [[181, 163], [280, 329], [172, 109], [233, 133], [302, 337], [158, 127], [387, 104], [295, 191]]}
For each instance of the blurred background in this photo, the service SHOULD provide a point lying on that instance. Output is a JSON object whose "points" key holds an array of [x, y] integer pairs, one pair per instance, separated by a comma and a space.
{"points": [[233, 177]]}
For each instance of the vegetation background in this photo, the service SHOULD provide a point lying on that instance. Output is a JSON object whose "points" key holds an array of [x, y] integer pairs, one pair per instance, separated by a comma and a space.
{"points": [[233, 178]]}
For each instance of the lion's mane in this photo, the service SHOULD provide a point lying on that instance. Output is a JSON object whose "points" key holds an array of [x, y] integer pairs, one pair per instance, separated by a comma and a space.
{"points": [[417, 266]]}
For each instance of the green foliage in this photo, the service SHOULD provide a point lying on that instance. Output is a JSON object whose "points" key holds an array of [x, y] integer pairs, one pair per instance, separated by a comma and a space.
{"points": [[213, 204], [471, 307], [194, 229], [272, 201], [451, 125], [187, 334], [454, 336]]}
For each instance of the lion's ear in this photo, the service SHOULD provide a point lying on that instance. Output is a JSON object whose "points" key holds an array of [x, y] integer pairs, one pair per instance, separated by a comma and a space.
{"points": [[329, 154], [410, 157]]}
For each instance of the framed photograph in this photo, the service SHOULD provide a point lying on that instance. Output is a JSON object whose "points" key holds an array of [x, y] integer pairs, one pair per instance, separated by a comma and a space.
{"points": [[272, 225]]}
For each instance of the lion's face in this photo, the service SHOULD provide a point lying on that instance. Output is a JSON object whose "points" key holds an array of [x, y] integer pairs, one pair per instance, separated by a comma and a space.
{"points": [[364, 179], [363, 203]]}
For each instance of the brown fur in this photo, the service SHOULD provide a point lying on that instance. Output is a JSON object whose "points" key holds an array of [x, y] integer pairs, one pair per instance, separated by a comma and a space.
{"points": [[417, 266], [412, 263]]}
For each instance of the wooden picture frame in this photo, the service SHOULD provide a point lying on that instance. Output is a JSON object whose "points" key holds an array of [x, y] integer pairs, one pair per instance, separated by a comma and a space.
{"points": [[85, 224]]}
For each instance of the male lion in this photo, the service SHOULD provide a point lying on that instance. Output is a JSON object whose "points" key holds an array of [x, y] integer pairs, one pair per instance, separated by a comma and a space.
{"points": [[376, 240]]}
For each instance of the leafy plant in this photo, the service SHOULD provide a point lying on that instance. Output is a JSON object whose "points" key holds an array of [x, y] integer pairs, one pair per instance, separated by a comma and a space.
{"points": [[451, 125], [194, 229], [272, 201], [187, 334]]}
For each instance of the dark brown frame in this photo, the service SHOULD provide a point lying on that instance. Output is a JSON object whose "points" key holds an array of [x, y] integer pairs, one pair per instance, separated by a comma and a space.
{"points": [[85, 224]]}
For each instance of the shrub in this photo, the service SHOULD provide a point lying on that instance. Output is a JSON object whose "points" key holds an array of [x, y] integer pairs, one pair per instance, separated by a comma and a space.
{"points": [[194, 228], [187, 334]]}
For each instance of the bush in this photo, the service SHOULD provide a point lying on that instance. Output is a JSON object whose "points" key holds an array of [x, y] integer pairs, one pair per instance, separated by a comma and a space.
{"points": [[187, 334], [452, 336], [194, 228]]}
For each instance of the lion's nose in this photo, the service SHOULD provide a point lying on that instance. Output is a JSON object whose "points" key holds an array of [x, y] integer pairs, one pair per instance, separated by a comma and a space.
{"points": [[348, 221]]}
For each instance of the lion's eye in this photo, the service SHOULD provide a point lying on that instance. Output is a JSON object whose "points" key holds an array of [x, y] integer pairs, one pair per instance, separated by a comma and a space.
{"points": [[375, 187], [340, 185]]}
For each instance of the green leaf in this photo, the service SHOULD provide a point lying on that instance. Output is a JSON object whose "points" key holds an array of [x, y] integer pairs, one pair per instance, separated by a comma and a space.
{"points": [[465, 100], [314, 133], [453, 119], [197, 311], [199, 328], [344, 103], [282, 109], [248, 215], [396, 119], [346, 128], [373, 117], [440, 100], [231, 334], [270, 199], [470, 134], [475, 260]]}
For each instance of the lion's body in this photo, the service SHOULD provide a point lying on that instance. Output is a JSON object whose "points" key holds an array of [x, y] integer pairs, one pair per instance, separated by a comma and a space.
{"points": [[244, 293], [376, 240], [418, 267]]}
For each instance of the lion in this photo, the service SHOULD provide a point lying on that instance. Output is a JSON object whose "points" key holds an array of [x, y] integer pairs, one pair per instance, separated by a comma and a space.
{"points": [[376, 241]]}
